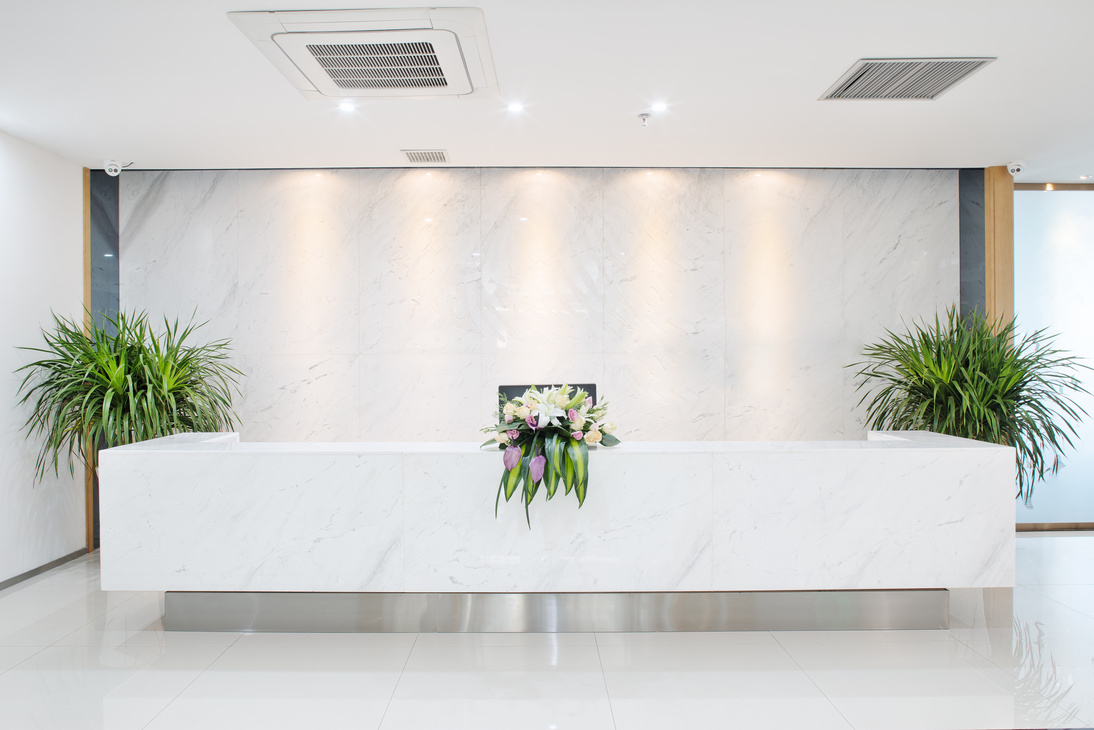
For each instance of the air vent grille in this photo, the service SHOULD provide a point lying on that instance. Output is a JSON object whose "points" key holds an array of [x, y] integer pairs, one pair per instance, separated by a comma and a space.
{"points": [[426, 155], [380, 65], [903, 78]]}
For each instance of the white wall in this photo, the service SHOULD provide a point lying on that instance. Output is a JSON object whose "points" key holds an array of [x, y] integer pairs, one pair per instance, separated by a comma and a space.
{"points": [[1053, 269], [382, 305], [41, 235]]}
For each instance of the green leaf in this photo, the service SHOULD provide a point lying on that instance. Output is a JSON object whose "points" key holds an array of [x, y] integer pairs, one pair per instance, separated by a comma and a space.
{"points": [[609, 440], [579, 456]]}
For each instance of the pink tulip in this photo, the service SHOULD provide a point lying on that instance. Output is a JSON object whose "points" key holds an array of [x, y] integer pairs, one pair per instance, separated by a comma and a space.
{"points": [[532, 422], [536, 466], [572, 415], [589, 401], [578, 435], [513, 434], [508, 418], [511, 457]]}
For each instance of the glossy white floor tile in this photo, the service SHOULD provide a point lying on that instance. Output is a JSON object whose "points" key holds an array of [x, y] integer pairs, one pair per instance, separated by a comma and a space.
{"points": [[72, 656]]}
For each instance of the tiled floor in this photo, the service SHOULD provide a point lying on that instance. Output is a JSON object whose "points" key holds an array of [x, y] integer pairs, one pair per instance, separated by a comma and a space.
{"points": [[72, 656]]}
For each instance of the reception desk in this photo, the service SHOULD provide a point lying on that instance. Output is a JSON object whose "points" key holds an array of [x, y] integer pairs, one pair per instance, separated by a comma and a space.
{"points": [[208, 513]]}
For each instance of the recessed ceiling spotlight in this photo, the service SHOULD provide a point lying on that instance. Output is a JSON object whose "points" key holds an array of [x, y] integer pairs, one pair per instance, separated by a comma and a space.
{"points": [[516, 107], [1084, 177], [659, 106], [346, 106]]}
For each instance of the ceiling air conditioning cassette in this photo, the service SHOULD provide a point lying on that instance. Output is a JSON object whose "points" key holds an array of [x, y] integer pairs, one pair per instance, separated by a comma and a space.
{"points": [[405, 52]]}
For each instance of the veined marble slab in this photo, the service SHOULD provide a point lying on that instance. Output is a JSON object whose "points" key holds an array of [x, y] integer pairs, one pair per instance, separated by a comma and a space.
{"points": [[205, 512]]}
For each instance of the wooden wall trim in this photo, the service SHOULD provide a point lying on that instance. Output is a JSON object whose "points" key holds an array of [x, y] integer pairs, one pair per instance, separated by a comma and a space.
{"points": [[89, 504], [998, 243]]}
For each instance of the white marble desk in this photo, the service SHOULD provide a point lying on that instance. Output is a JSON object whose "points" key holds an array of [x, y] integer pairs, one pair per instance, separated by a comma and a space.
{"points": [[204, 512]]}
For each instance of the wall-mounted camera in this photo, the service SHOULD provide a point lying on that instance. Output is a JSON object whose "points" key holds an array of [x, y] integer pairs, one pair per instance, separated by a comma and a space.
{"points": [[113, 168], [1015, 168]]}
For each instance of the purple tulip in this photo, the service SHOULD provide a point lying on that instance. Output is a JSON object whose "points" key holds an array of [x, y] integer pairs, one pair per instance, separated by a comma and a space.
{"points": [[511, 457], [513, 434], [532, 422], [536, 466]]}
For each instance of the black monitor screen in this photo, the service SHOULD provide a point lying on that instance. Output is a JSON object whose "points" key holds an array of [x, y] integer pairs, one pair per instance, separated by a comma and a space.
{"points": [[512, 391]]}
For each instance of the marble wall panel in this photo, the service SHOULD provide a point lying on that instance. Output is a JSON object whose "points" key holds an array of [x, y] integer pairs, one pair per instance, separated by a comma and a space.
{"points": [[314, 397], [664, 292], [900, 258], [543, 261], [420, 261], [179, 247], [785, 314], [299, 274], [706, 304], [421, 397]]}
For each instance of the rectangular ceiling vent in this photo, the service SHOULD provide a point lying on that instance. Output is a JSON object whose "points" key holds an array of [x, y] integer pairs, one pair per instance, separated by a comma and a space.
{"points": [[427, 156], [903, 78], [405, 52], [380, 65]]}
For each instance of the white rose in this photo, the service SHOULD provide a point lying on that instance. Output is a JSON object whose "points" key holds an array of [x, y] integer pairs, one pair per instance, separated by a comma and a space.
{"points": [[510, 408], [501, 437], [608, 427], [523, 412], [593, 437]]}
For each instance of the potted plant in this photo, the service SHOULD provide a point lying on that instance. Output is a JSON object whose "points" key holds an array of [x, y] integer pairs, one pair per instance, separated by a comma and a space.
{"points": [[100, 388], [970, 377]]}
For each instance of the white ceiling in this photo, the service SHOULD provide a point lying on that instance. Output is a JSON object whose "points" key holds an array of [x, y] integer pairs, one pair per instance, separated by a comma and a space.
{"points": [[177, 85]]}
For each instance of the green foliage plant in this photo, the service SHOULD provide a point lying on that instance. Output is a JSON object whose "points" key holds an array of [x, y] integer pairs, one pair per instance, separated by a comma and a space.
{"points": [[970, 377], [96, 387]]}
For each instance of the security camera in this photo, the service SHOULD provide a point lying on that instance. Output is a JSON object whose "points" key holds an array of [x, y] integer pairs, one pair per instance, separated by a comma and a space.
{"points": [[1015, 168], [113, 168]]}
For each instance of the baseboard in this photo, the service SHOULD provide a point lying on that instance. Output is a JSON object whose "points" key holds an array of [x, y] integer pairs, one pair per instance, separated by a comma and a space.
{"points": [[1053, 526], [41, 569]]}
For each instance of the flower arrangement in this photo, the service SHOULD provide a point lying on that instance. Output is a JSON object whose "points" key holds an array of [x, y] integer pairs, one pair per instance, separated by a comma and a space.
{"points": [[546, 437]]}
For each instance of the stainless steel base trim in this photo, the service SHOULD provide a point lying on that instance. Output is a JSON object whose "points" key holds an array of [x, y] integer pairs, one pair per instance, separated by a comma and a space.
{"points": [[43, 568], [557, 612]]}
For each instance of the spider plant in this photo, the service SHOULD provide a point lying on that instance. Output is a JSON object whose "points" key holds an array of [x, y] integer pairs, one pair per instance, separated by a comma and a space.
{"points": [[101, 388], [970, 377]]}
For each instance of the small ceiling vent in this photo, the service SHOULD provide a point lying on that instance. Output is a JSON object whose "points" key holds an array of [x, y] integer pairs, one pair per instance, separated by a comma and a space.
{"points": [[406, 52], [427, 156], [903, 78]]}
